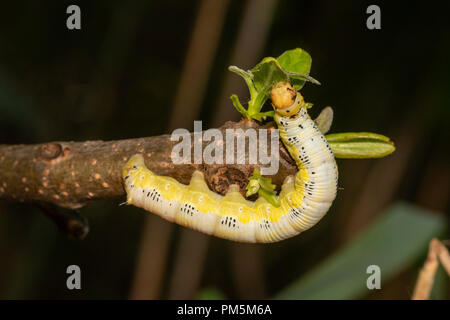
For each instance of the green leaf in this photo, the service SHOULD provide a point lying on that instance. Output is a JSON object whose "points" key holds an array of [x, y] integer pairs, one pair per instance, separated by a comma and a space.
{"points": [[394, 242], [308, 105], [265, 75], [296, 61], [266, 183], [237, 104], [264, 187], [248, 78], [269, 196], [252, 187], [253, 183], [270, 113], [360, 145], [300, 76]]}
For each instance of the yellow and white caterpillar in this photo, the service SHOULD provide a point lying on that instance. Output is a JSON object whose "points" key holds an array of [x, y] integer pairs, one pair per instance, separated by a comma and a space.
{"points": [[304, 199]]}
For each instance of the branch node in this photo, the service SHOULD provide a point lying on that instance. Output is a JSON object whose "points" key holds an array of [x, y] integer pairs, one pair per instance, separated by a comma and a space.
{"points": [[50, 151]]}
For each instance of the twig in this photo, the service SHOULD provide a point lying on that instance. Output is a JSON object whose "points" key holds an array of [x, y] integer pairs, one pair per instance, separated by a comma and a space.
{"points": [[71, 174], [69, 222], [436, 252]]}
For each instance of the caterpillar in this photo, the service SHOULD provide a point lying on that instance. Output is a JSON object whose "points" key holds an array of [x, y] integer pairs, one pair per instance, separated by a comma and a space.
{"points": [[304, 199]]}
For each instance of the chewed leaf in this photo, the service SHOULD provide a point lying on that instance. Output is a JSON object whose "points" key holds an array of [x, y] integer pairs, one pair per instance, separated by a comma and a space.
{"points": [[360, 145], [264, 187], [266, 74], [324, 120], [296, 61], [266, 183], [252, 187]]}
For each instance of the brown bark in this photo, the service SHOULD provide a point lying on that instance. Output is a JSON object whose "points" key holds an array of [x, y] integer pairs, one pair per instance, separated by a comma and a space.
{"points": [[71, 174]]}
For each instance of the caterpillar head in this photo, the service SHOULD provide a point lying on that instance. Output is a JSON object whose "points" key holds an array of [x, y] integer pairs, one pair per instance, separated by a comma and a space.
{"points": [[285, 99], [133, 164]]}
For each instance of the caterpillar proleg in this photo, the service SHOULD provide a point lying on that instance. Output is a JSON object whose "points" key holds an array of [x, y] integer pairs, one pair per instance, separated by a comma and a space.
{"points": [[304, 199]]}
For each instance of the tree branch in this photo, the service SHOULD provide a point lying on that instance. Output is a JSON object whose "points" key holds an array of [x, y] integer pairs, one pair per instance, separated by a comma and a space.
{"points": [[71, 174], [437, 252]]}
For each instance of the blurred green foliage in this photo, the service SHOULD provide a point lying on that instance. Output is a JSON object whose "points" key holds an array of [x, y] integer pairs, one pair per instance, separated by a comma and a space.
{"points": [[210, 294], [396, 240]]}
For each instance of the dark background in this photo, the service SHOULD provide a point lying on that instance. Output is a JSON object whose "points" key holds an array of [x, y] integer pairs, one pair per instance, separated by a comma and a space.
{"points": [[142, 68]]}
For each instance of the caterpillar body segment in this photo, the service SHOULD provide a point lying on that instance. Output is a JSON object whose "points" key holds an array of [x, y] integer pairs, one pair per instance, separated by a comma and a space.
{"points": [[304, 199]]}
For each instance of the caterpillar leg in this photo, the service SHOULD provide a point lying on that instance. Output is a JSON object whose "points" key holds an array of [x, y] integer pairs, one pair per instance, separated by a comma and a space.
{"points": [[236, 217], [197, 206]]}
